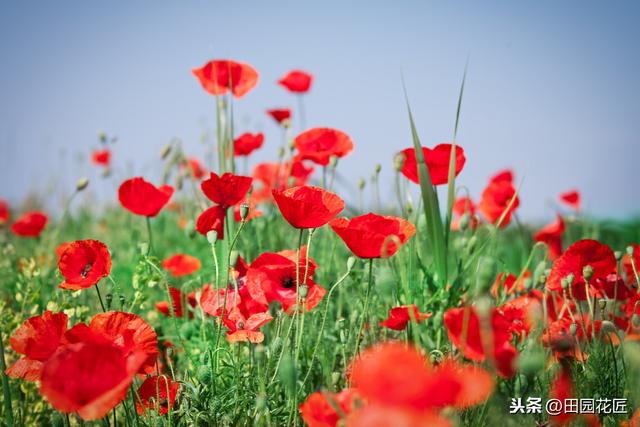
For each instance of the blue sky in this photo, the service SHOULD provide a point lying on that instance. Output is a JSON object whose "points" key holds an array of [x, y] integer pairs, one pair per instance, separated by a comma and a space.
{"points": [[552, 87]]}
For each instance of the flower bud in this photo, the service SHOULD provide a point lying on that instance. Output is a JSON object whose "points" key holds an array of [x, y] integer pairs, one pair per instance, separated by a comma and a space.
{"points": [[109, 298], [398, 161], [335, 378], [351, 261], [378, 168], [244, 211], [635, 320], [464, 222], [573, 328], [361, 183], [166, 150], [564, 283], [333, 161], [281, 153], [143, 247], [603, 304], [618, 255], [303, 291], [212, 237], [630, 250], [587, 272], [82, 184], [570, 277]]}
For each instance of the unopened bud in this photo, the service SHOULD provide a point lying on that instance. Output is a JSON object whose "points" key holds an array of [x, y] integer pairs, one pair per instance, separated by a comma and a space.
{"points": [[335, 378], [106, 172], [603, 304], [464, 222], [144, 248], [361, 183], [166, 150], [244, 211], [351, 261], [618, 255], [303, 291], [573, 328], [102, 136], [378, 168], [564, 284], [630, 250], [398, 161], [82, 184], [587, 272], [570, 278], [281, 152], [212, 237], [333, 161], [109, 298], [635, 320]]}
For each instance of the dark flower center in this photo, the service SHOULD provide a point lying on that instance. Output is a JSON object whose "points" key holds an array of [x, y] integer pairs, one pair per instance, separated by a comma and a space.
{"points": [[85, 272], [288, 282]]}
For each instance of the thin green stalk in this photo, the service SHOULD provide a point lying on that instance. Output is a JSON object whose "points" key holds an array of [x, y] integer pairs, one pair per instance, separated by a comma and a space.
{"points": [[366, 308], [6, 390], [100, 298]]}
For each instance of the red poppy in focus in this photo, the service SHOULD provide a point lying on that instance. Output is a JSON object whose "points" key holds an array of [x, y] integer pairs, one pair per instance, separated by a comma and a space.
{"points": [[89, 377], [367, 236], [381, 377], [464, 206], [320, 144], [181, 265], [308, 207], [83, 264], [437, 160], [504, 353], [278, 176], [247, 143], [628, 265], [503, 175], [579, 255], [496, 197], [226, 190], [129, 332], [551, 235], [281, 115], [180, 301], [399, 317], [59, 250], [196, 168], [101, 157], [572, 199], [319, 408], [157, 390], [37, 339], [143, 198], [243, 328], [4, 212], [297, 81], [212, 219], [30, 224], [273, 277], [217, 77]]}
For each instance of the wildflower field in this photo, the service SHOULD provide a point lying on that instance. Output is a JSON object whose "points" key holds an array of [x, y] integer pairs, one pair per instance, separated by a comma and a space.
{"points": [[211, 295]]}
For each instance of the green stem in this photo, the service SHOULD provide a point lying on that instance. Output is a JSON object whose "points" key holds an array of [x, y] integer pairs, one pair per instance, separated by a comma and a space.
{"points": [[6, 391], [100, 298], [366, 308], [149, 234]]}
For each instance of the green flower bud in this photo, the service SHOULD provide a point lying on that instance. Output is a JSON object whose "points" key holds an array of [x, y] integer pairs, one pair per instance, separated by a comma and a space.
{"points": [[143, 247], [351, 261], [212, 237], [618, 255], [361, 183], [333, 161], [303, 291], [82, 184], [244, 211], [587, 272], [378, 168], [630, 250], [398, 161], [166, 150], [573, 328]]}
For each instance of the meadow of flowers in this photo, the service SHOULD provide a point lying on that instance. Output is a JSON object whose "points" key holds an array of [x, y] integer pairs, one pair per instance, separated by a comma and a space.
{"points": [[204, 297]]}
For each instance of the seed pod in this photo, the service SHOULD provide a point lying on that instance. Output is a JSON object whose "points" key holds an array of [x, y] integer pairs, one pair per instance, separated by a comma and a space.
{"points": [[212, 237], [573, 328], [630, 250], [587, 272], [244, 211], [303, 291]]}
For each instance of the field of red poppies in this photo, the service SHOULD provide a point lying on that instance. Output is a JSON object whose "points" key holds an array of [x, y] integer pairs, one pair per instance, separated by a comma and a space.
{"points": [[205, 297]]}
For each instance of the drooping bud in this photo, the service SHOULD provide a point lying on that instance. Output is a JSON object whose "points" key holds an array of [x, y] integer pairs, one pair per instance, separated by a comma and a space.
{"points": [[166, 150], [464, 222], [82, 184]]}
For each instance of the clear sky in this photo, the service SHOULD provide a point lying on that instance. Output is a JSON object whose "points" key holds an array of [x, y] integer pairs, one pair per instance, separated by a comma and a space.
{"points": [[552, 88]]}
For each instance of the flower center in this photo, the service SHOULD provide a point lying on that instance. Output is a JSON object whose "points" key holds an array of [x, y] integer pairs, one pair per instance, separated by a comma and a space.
{"points": [[85, 272], [288, 282]]}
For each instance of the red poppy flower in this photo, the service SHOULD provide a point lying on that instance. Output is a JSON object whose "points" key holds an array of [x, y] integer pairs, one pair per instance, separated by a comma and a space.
{"points": [[475, 338], [83, 264], [4, 212], [243, 328], [278, 176], [247, 143], [503, 175], [612, 287], [226, 190], [582, 253], [180, 301], [30, 224], [461, 207], [437, 160], [319, 410], [524, 311], [320, 144], [37, 339], [551, 235], [496, 198], [181, 265], [142, 197], [571, 198], [197, 170], [59, 250], [217, 77], [628, 266], [399, 317], [562, 388], [273, 277], [157, 390], [281, 115], [101, 157], [212, 219], [89, 377], [308, 207], [296, 81], [380, 376], [388, 416], [129, 332], [367, 236]]}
